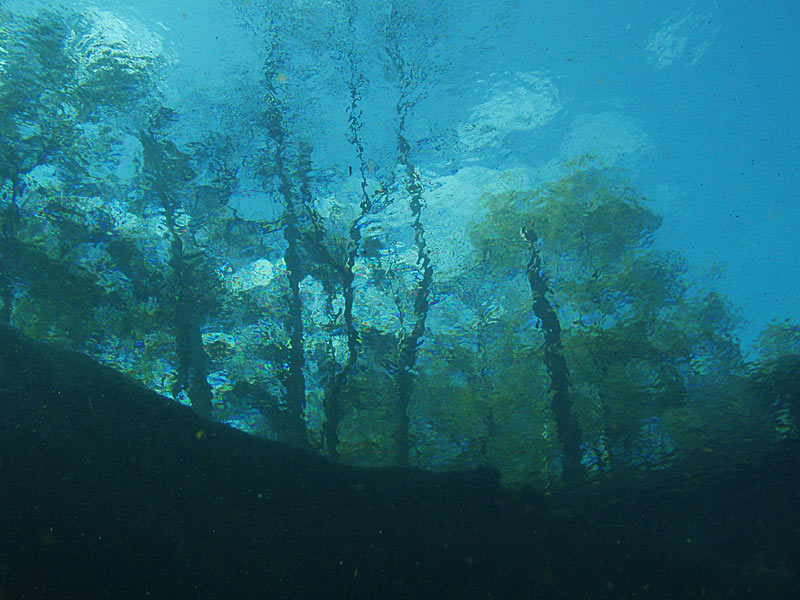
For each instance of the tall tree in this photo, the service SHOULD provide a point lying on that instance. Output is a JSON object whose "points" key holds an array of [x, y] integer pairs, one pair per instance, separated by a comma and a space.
{"points": [[190, 290], [276, 172], [407, 75], [624, 339]]}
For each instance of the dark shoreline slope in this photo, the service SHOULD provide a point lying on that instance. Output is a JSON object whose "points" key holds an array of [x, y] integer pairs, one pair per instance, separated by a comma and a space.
{"points": [[109, 490]]}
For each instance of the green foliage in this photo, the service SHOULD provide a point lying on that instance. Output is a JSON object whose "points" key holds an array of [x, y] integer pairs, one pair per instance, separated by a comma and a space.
{"points": [[638, 344], [779, 338], [497, 239], [774, 377]]}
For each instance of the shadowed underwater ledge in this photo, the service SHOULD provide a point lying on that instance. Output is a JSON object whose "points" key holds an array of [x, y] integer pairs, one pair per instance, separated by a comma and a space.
{"points": [[108, 490]]}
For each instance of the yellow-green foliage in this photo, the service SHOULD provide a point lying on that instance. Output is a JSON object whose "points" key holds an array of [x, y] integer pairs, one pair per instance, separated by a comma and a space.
{"points": [[366, 404], [497, 239], [635, 341], [481, 399], [779, 338]]}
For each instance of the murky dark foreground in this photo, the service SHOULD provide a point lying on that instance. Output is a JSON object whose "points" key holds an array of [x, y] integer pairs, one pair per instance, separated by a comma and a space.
{"points": [[108, 490]]}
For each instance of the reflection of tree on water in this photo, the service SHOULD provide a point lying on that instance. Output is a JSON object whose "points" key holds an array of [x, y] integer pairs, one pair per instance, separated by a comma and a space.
{"points": [[561, 342]]}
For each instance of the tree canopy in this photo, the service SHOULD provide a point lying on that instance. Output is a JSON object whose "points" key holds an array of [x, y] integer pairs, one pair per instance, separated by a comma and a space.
{"points": [[550, 336]]}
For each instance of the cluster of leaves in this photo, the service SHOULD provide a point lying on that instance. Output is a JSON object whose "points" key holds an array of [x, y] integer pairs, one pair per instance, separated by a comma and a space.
{"points": [[774, 378], [638, 343]]}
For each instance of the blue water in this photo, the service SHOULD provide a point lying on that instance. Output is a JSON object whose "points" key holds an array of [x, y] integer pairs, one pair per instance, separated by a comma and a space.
{"points": [[697, 100]]}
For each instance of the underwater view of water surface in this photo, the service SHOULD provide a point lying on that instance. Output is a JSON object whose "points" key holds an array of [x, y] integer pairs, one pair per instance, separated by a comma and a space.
{"points": [[552, 240]]}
